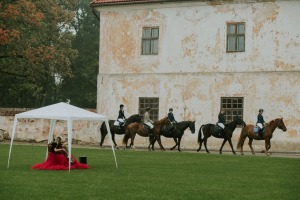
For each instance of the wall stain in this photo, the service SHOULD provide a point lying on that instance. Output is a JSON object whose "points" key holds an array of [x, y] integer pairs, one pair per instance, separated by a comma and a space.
{"points": [[284, 66], [266, 13]]}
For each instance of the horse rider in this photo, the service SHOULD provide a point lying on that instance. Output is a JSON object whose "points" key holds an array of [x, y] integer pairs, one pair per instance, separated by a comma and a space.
{"points": [[147, 120], [260, 121], [171, 117], [121, 117], [221, 120]]}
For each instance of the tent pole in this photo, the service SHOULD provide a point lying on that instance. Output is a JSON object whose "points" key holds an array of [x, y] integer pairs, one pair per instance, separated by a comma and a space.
{"points": [[70, 125], [50, 137], [12, 138], [111, 142]]}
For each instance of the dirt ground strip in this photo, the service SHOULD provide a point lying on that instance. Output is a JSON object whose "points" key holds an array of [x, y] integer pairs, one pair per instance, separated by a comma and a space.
{"points": [[121, 148]]}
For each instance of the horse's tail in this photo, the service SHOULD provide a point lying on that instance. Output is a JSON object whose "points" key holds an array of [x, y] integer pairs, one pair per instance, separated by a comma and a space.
{"points": [[126, 136], [200, 135], [241, 138]]}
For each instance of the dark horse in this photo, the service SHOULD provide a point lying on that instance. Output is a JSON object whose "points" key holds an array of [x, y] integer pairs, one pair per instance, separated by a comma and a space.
{"points": [[247, 131], [138, 128], [209, 130], [116, 129], [176, 132]]}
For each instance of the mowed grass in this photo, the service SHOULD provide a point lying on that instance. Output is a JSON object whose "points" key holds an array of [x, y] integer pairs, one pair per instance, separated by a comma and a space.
{"points": [[149, 175]]}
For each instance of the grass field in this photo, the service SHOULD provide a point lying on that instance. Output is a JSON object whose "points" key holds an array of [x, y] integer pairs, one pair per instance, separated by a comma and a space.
{"points": [[149, 175]]}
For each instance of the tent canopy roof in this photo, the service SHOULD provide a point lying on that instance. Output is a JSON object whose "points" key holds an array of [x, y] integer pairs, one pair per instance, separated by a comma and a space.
{"points": [[61, 111]]}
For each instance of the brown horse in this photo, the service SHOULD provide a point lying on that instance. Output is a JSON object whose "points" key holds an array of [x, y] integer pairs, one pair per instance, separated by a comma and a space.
{"points": [[137, 128], [247, 131]]}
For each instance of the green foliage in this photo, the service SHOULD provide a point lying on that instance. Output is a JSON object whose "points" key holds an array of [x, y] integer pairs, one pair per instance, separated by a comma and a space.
{"points": [[149, 175], [35, 45], [81, 89]]}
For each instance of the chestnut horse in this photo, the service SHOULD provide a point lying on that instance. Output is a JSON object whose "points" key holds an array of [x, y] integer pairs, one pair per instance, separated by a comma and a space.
{"points": [[270, 127], [137, 128], [209, 130], [116, 129]]}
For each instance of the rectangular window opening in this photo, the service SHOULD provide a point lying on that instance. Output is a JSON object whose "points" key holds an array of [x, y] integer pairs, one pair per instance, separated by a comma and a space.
{"points": [[150, 40], [151, 102], [233, 107], [235, 37]]}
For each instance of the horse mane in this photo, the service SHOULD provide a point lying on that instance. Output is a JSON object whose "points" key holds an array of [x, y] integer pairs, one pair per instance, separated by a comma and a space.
{"points": [[161, 121]]}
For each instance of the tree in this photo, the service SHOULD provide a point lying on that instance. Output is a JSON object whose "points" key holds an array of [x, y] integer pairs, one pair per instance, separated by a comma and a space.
{"points": [[81, 89], [35, 48]]}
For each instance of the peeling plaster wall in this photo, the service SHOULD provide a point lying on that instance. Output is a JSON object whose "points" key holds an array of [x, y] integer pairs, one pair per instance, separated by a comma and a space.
{"points": [[37, 130], [193, 71]]}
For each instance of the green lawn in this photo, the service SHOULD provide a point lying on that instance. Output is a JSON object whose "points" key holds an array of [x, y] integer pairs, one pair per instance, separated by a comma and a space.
{"points": [[149, 175]]}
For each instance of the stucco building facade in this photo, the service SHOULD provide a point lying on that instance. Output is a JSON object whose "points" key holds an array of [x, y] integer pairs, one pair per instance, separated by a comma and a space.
{"points": [[198, 56]]}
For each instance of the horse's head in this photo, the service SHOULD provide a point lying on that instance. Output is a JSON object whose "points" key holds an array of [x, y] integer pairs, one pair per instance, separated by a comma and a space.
{"points": [[280, 124], [239, 121], [192, 126]]}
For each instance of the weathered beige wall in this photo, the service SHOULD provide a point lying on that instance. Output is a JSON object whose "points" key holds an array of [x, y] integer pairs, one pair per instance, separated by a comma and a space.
{"points": [[37, 130], [193, 71]]}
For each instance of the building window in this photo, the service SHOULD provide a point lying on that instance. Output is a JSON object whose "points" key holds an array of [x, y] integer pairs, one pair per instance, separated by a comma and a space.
{"points": [[233, 107], [236, 37], [150, 40], [151, 102]]}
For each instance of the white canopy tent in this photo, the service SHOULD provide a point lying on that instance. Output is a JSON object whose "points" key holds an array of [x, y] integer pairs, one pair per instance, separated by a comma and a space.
{"points": [[60, 111]]}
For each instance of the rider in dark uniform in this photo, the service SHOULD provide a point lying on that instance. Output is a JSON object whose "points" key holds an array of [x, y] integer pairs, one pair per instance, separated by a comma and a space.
{"points": [[121, 116], [260, 121], [221, 120]]}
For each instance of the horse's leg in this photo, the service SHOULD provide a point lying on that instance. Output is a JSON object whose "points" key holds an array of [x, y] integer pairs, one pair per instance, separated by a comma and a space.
{"points": [[151, 143], [267, 145], [229, 140], [132, 140], [224, 141], [159, 142], [175, 140], [205, 141], [154, 140], [250, 145], [113, 139], [102, 138], [179, 140], [200, 144]]}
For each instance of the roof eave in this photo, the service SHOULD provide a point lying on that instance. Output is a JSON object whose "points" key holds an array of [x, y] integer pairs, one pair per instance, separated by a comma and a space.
{"points": [[129, 2]]}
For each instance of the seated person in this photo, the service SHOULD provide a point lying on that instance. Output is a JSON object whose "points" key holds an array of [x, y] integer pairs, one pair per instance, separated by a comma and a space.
{"points": [[58, 158]]}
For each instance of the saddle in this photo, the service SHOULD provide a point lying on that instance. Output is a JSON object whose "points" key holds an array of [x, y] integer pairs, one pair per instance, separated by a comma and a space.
{"points": [[217, 129], [146, 127], [258, 130], [117, 123]]}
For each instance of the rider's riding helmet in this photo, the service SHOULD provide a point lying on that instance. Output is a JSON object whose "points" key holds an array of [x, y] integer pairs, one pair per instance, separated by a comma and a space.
{"points": [[261, 110], [121, 106], [171, 109]]}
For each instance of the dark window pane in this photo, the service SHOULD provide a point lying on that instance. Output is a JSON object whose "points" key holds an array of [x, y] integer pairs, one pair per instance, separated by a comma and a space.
{"points": [[154, 46], [240, 43], [241, 29], [155, 33], [231, 43], [231, 29], [146, 46], [147, 33]]}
